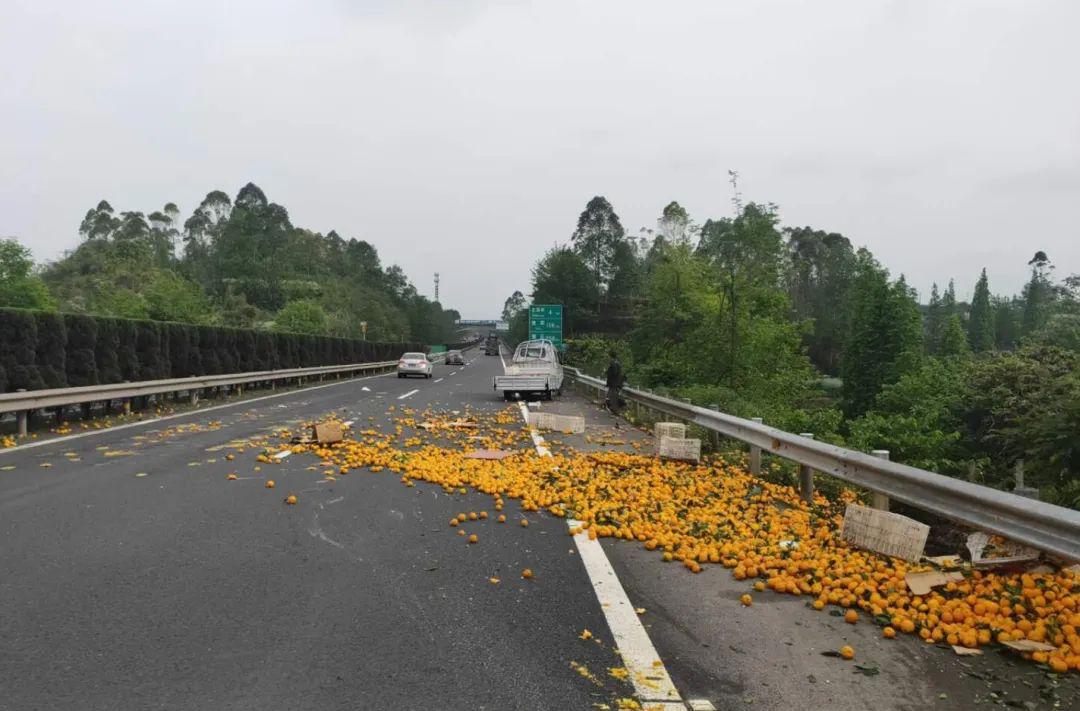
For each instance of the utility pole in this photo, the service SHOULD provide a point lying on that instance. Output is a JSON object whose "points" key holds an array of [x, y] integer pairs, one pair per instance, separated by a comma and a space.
{"points": [[436, 286]]}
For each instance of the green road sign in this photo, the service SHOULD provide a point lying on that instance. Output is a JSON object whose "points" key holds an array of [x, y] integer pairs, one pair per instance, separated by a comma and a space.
{"points": [[545, 321]]}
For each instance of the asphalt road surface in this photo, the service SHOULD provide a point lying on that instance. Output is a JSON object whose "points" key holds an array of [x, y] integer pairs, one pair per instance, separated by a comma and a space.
{"points": [[134, 575]]}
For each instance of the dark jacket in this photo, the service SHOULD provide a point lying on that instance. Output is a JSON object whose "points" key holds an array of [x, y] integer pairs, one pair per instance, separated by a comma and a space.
{"points": [[615, 377]]}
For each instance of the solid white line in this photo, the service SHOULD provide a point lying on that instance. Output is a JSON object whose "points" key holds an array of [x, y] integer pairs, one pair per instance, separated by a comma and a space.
{"points": [[631, 639], [192, 413], [440, 380], [408, 394]]}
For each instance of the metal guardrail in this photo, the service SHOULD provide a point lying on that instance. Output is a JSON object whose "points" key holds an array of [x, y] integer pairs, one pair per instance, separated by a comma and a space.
{"points": [[22, 403], [1050, 528]]}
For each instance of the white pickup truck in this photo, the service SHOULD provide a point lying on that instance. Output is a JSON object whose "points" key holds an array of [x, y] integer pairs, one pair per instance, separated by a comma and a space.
{"points": [[534, 370]]}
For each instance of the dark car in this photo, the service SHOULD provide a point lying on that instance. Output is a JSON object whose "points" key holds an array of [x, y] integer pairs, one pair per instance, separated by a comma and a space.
{"points": [[454, 358]]}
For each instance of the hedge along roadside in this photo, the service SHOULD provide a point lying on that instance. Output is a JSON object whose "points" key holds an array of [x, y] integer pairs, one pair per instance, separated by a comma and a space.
{"points": [[45, 350]]}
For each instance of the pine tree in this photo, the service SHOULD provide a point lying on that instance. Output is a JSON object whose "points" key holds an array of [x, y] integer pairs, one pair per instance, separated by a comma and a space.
{"points": [[981, 323], [595, 239], [902, 332], [948, 301], [935, 321], [1004, 324], [863, 349], [954, 342]]}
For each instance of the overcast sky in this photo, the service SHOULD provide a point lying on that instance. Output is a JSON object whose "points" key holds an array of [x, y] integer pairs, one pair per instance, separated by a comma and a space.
{"points": [[465, 137]]}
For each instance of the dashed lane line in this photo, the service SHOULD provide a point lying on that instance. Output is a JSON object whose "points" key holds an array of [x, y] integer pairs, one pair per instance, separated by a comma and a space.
{"points": [[408, 394], [652, 684]]}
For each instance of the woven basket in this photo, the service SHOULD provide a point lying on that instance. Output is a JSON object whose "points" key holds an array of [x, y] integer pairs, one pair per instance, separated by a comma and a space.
{"points": [[574, 424], [687, 450], [884, 532]]}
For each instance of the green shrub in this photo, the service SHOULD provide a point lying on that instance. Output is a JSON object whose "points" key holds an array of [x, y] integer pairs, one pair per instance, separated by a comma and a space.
{"points": [[106, 347], [51, 349], [18, 349], [82, 335]]}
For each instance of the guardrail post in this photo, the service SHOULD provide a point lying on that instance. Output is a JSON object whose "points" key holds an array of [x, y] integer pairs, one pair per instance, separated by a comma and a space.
{"points": [[755, 454], [23, 418], [193, 397], [713, 434], [880, 501], [806, 476]]}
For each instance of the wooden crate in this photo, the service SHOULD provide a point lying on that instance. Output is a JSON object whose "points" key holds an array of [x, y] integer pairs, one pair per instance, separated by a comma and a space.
{"points": [[575, 424], [668, 429], [884, 532], [681, 448]]}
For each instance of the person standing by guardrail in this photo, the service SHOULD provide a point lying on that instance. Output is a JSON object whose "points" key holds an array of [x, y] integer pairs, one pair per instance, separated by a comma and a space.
{"points": [[615, 381]]}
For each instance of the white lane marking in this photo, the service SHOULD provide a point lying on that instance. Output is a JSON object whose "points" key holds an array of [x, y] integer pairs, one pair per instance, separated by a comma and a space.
{"points": [[652, 684], [408, 394], [501, 359], [192, 413], [439, 380], [282, 455]]}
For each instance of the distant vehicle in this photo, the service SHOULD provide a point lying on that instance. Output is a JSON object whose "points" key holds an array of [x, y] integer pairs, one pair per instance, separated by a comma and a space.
{"points": [[491, 346], [414, 364], [534, 370], [454, 358]]}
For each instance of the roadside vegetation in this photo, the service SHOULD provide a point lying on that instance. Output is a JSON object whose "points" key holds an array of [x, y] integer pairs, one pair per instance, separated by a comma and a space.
{"points": [[813, 334], [237, 263]]}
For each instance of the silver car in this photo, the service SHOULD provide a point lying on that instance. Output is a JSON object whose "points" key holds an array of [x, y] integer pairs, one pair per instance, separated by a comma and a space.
{"points": [[414, 364]]}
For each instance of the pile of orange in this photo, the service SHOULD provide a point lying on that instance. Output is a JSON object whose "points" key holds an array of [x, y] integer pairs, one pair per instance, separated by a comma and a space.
{"points": [[717, 513]]}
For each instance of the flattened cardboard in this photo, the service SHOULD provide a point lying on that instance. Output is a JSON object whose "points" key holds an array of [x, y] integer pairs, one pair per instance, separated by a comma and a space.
{"points": [[965, 651], [1026, 645], [922, 583], [490, 454]]}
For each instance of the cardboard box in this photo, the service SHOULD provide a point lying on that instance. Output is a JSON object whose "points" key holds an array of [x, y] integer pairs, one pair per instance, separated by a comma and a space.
{"points": [[327, 432]]}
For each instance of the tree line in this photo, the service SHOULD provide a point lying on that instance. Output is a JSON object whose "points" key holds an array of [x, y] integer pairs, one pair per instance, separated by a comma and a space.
{"points": [[234, 263], [799, 326]]}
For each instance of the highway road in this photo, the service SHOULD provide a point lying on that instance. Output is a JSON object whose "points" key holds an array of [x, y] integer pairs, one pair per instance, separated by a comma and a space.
{"points": [[136, 575]]}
